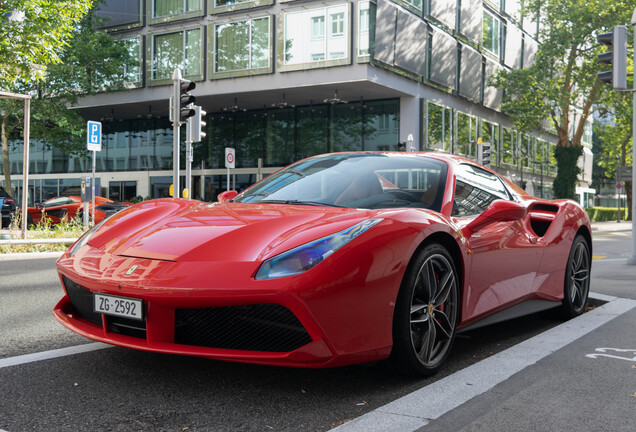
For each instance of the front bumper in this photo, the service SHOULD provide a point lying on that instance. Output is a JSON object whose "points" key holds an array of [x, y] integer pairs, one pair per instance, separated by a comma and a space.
{"points": [[304, 321]]}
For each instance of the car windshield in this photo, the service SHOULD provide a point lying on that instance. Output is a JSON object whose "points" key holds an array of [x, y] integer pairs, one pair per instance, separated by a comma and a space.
{"points": [[57, 202], [363, 180]]}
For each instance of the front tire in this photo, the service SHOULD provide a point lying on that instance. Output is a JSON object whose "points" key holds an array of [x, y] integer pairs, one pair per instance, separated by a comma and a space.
{"points": [[426, 313], [577, 279]]}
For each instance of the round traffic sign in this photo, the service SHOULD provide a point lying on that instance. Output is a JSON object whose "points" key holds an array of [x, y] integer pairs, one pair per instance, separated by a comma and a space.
{"points": [[230, 158]]}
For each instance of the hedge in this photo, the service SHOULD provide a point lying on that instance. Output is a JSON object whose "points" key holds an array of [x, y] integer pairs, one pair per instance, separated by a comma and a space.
{"points": [[602, 214]]}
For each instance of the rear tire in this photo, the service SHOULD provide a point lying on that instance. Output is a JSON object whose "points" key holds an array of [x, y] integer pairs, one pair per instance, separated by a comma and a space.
{"points": [[576, 286], [29, 220], [426, 313]]}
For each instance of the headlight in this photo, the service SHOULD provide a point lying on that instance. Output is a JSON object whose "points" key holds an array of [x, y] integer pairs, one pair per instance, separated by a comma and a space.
{"points": [[84, 238], [303, 258]]}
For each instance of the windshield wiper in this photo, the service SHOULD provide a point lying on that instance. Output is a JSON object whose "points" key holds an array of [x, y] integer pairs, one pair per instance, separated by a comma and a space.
{"points": [[297, 202]]}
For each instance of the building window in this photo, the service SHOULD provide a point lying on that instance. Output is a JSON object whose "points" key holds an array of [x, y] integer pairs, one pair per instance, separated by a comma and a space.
{"points": [[180, 49], [337, 24], [587, 133], [491, 33], [490, 135], [218, 6], [412, 5], [132, 66], [242, 45], [466, 135], [318, 27], [166, 8], [303, 47], [366, 27], [438, 127]]}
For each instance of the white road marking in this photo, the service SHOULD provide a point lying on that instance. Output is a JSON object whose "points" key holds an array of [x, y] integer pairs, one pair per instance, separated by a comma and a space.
{"points": [[47, 355], [602, 352], [419, 408]]}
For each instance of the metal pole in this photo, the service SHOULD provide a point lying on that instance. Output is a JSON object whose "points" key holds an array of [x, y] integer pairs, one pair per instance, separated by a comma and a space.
{"points": [[176, 127], [228, 179], [202, 181], [541, 179], [619, 187], [632, 259], [188, 179], [93, 186], [25, 163]]}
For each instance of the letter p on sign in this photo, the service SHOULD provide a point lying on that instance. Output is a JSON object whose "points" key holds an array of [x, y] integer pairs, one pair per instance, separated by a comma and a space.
{"points": [[94, 136]]}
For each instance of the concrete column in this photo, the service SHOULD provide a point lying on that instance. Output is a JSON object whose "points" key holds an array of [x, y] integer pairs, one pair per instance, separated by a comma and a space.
{"points": [[410, 121]]}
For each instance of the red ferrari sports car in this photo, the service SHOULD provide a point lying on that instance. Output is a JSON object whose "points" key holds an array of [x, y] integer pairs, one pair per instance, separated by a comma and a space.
{"points": [[57, 209], [337, 259]]}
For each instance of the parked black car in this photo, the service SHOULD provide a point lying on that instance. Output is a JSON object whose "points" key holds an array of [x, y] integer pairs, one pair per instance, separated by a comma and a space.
{"points": [[8, 207]]}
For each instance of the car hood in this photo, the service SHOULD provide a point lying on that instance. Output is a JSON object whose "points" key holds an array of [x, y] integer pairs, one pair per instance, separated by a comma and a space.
{"points": [[183, 230]]}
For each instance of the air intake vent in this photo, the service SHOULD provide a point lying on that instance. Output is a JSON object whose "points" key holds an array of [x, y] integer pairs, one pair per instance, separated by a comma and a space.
{"points": [[262, 327], [82, 300]]}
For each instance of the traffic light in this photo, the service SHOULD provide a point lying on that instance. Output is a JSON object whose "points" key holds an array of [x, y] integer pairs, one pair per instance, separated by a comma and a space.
{"points": [[197, 125], [483, 152], [617, 40], [185, 99]]}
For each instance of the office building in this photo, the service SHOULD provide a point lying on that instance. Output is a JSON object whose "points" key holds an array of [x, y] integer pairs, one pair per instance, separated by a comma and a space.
{"points": [[285, 79]]}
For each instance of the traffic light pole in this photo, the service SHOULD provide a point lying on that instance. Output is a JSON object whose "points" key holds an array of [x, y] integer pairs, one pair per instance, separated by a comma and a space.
{"points": [[632, 259], [176, 128], [188, 175]]}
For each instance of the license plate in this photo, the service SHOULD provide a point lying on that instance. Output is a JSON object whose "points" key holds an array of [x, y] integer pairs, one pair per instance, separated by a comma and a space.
{"points": [[118, 306]]}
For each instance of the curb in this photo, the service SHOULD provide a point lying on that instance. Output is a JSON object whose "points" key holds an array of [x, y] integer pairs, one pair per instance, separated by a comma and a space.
{"points": [[30, 255], [38, 241]]}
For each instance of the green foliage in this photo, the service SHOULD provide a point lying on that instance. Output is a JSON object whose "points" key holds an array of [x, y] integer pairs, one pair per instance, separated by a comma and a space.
{"points": [[604, 214], [615, 136], [91, 61], [563, 74], [33, 34], [568, 169], [67, 229]]}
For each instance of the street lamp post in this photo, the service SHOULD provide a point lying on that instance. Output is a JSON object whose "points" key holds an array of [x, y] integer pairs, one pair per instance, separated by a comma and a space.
{"points": [[25, 155]]}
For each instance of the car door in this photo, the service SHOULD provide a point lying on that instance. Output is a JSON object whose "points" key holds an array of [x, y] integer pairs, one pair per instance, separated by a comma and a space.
{"points": [[504, 257]]}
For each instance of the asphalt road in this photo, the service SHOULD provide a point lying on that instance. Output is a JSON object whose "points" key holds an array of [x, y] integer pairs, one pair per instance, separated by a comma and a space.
{"points": [[124, 390]]}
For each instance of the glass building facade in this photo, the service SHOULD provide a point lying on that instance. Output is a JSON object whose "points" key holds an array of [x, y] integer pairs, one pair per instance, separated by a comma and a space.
{"points": [[311, 77]]}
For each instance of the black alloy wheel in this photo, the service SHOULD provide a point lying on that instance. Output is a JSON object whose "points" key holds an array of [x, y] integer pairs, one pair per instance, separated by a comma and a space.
{"points": [[426, 313], [577, 279]]}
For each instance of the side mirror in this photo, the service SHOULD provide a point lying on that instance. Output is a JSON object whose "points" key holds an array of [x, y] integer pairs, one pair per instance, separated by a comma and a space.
{"points": [[226, 196], [498, 211]]}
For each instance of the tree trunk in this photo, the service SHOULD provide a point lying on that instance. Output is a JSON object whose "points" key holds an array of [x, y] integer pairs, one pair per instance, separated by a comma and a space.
{"points": [[567, 171], [5, 154]]}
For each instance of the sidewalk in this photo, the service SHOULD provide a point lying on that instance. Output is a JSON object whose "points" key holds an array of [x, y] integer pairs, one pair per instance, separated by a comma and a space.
{"points": [[610, 226]]}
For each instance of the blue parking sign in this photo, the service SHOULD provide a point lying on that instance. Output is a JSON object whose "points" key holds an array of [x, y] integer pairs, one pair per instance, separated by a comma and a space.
{"points": [[93, 136]]}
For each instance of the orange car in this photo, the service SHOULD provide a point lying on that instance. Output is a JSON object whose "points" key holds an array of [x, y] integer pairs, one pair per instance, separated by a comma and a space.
{"points": [[57, 209]]}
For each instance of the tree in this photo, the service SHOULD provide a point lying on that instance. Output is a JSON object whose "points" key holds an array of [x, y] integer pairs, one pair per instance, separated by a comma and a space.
{"points": [[91, 62], [33, 34], [562, 77]]}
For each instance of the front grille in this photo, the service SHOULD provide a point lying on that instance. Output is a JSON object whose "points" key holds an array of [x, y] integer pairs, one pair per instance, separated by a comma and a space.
{"points": [[261, 327], [127, 326], [82, 300]]}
